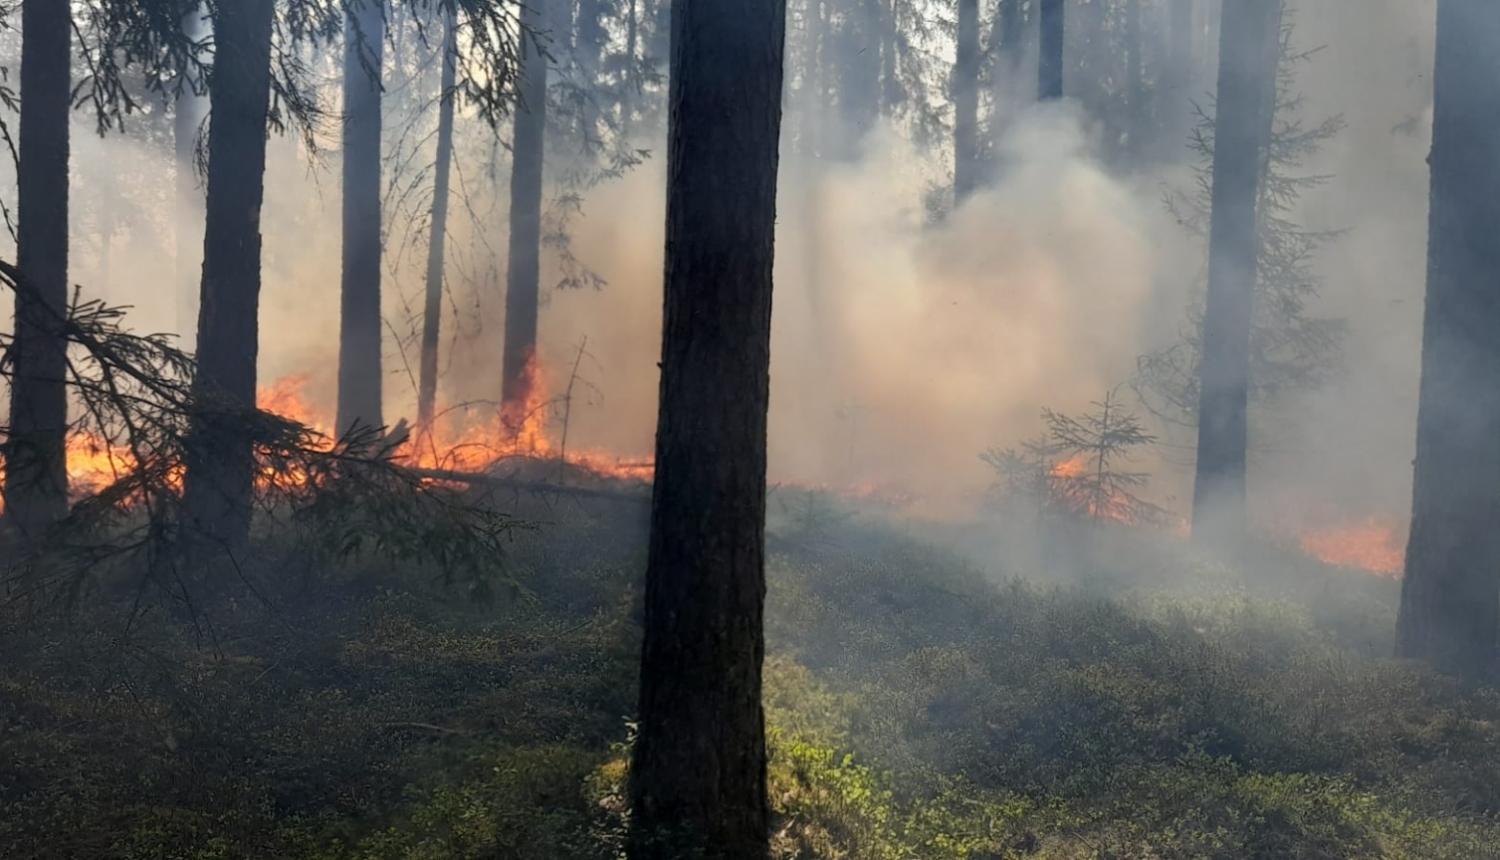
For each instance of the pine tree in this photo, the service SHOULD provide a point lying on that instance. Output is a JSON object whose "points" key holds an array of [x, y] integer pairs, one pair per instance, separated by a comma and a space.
{"points": [[698, 773], [36, 478], [1450, 598]]}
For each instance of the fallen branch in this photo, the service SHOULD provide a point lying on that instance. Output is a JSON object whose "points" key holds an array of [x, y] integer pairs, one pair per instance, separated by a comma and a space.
{"points": [[481, 479]]}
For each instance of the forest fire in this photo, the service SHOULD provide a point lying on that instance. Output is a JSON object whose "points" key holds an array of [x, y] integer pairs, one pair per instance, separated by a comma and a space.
{"points": [[1374, 544]]}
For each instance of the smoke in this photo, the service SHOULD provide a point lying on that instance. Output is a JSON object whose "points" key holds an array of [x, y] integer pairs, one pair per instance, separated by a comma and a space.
{"points": [[900, 350]]}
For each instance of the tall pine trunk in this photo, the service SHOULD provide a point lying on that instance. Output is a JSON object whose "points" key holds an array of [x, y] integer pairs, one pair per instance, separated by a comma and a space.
{"points": [[1247, 58], [432, 310], [187, 217], [1050, 64], [523, 278], [1450, 598], [359, 400], [1178, 80], [36, 477], [219, 485], [1135, 81], [698, 774], [890, 84], [965, 88]]}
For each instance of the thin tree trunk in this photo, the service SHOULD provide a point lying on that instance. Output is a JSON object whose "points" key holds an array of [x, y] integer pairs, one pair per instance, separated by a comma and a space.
{"points": [[1134, 81], [1050, 65], [965, 88], [592, 37], [1219, 482], [219, 485], [632, 79], [360, 379], [1177, 91], [890, 84], [522, 287], [36, 477], [432, 311], [109, 196], [1450, 598], [187, 117], [698, 774]]}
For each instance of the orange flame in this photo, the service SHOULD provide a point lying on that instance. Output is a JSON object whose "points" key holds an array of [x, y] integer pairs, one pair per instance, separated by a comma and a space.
{"points": [[1375, 544]]}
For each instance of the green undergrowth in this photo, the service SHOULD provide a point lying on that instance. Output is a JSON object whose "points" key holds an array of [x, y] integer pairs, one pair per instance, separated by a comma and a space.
{"points": [[1154, 708]]}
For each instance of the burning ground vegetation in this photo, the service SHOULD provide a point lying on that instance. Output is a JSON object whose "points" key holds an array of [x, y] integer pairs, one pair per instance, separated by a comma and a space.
{"points": [[923, 699]]}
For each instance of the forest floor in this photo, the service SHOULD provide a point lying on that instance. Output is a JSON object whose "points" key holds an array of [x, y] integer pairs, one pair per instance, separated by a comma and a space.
{"points": [[1143, 705]]}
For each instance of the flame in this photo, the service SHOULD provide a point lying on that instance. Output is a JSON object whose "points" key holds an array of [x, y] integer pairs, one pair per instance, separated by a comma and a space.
{"points": [[1375, 544]]}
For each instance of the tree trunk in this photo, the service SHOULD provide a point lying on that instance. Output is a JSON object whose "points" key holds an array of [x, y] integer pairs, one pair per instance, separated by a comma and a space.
{"points": [[1135, 83], [698, 775], [1450, 599], [36, 476], [1050, 66], [360, 379], [1177, 90], [522, 286], [187, 117], [432, 311], [890, 84], [1219, 482], [219, 485], [966, 103], [591, 38]]}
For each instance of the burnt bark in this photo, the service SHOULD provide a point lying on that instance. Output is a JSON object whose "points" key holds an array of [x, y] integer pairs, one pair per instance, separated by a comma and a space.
{"points": [[1450, 598], [1050, 64], [965, 89], [219, 484], [432, 309], [1247, 59], [698, 774], [359, 398], [36, 477], [523, 276]]}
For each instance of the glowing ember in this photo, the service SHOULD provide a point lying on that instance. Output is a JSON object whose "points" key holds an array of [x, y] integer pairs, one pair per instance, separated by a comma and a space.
{"points": [[1375, 544]]}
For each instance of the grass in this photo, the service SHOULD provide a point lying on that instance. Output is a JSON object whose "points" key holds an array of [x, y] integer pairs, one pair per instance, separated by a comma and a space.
{"points": [[1145, 706]]}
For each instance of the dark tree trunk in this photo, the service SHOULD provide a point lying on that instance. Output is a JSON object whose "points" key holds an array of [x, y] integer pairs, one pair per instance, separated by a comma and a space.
{"points": [[890, 84], [36, 476], [1239, 137], [219, 485], [965, 89], [592, 36], [1450, 599], [1135, 83], [432, 311], [187, 117], [522, 287], [1050, 65], [360, 378], [698, 775], [1177, 83]]}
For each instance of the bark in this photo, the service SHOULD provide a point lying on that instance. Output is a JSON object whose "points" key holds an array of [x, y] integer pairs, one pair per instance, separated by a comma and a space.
{"points": [[432, 311], [359, 400], [187, 117], [522, 287], [36, 477], [218, 487], [1050, 65], [1240, 132], [966, 103], [698, 774], [1450, 598]]}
